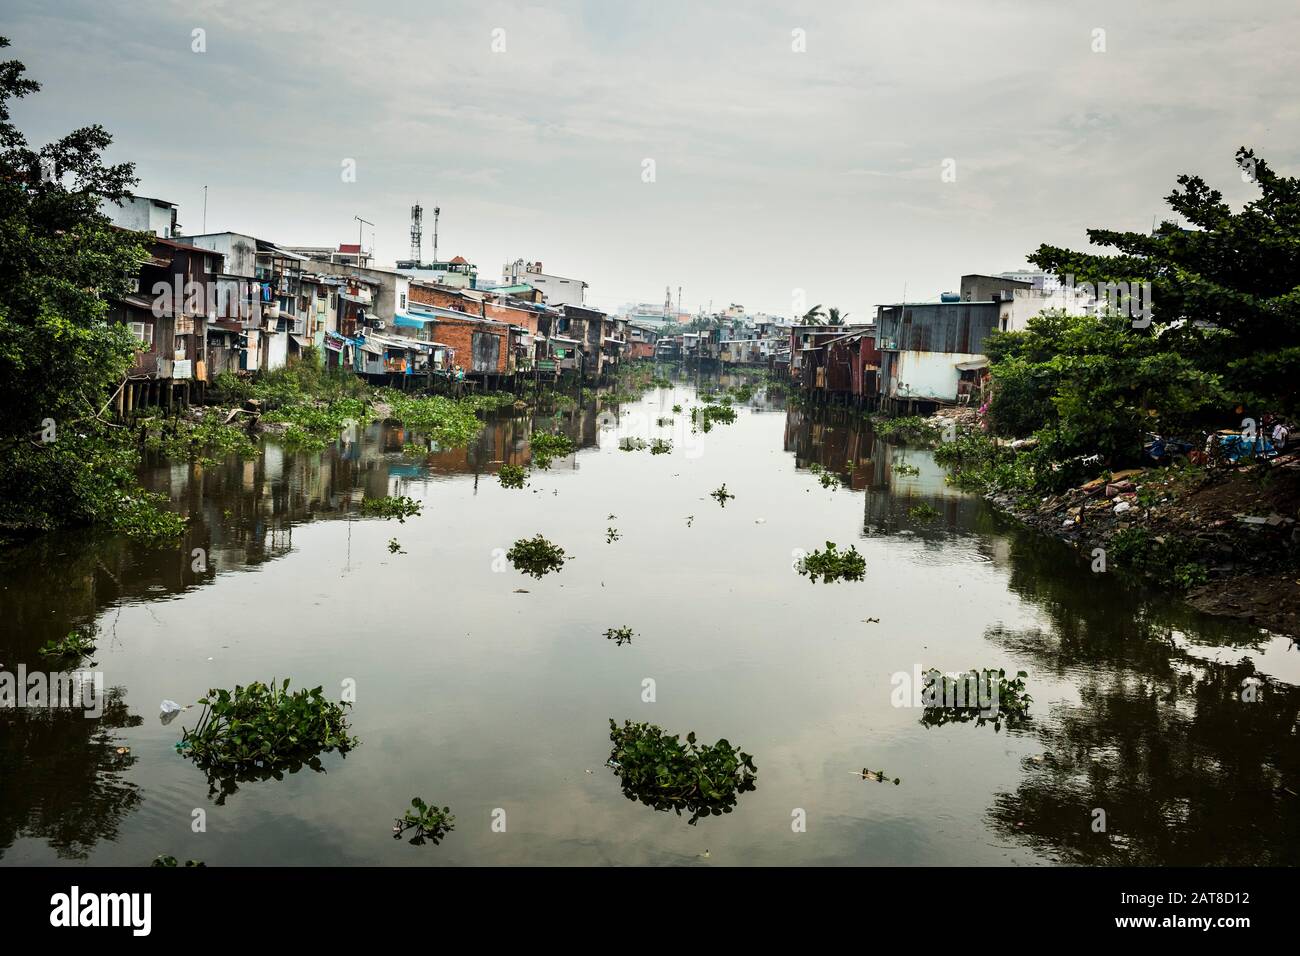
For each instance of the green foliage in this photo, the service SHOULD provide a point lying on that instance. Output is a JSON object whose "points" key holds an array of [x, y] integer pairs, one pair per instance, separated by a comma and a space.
{"points": [[430, 823], [391, 506], [912, 430], [69, 650], [446, 422], [677, 409], [1094, 385], [722, 495], [263, 730], [394, 546], [833, 564], [1224, 304], [904, 470], [660, 446], [661, 771], [1175, 562], [632, 444], [511, 476], [706, 415], [923, 512], [536, 556], [547, 446], [172, 861], [619, 635], [61, 361], [314, 425], [207, 440], [982, 696]]}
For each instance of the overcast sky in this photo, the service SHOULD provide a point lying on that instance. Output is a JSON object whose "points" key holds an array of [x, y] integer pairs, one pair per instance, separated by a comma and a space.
{"points": [[774, 170]]}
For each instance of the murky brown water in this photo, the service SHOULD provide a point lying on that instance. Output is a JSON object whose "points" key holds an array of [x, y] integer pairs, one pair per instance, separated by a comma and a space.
{"points": [[476, 696]]}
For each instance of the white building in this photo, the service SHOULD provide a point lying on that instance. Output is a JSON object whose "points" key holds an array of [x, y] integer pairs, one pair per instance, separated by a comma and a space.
{"points": [[143, 214], [557, 290]]}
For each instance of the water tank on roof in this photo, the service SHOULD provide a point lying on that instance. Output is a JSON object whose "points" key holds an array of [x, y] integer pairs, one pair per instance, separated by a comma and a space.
{"points": [[950, 297]]}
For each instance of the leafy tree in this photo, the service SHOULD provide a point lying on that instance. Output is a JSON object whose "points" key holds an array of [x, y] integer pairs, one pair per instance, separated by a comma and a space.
{"points": [[62, 461], [1225, 289], [833, 317], [814, 316]]}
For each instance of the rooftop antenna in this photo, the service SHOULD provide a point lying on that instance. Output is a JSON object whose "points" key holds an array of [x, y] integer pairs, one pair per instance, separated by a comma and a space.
{"points": [[436, 212], [417, 232], [205, 210], [359, 222]]}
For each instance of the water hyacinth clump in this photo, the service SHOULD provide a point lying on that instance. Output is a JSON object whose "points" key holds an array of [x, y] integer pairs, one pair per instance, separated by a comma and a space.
{"points": [[547, 446], [660, 446], [392, 506], [833, 564], [983, 696], [661, 771], [263, 730], [536, 556], [722, 495], [619, 635], [430, 823], [68, 650], [511, 476]]}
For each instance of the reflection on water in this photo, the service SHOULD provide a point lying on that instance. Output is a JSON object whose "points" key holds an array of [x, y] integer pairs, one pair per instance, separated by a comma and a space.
{"points": [[482, 689]]}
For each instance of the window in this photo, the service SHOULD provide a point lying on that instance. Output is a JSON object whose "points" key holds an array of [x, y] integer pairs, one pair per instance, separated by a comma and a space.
{"points": [[403, 302], [144, 332]]}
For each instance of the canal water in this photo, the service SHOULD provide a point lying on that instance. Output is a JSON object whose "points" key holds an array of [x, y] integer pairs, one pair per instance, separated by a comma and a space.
{"points": [[490, 692]]}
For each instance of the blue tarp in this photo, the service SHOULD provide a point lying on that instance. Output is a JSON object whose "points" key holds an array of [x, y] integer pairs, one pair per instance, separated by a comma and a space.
{"points": [[412, 321]]}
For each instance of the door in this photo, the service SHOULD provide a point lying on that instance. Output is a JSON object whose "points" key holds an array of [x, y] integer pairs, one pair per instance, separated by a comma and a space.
{"points": [[487, 352]]}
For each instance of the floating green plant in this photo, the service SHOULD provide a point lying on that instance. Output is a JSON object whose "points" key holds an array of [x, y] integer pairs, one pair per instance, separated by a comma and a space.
{"points": [[511, 476], [394, 546], [172, 861], [68, 650], [984, 696], [536, 556], [263, 730], [619, 635], [632, 444], [611, 535], [660, 771], [833, 564], [922, 512], [547, 446], [722, 495], [431, 824], [660, 446], [399, 507]]}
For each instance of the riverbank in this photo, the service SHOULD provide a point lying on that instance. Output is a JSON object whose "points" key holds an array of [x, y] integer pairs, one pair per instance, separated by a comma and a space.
{"points": [[1226, 539]]}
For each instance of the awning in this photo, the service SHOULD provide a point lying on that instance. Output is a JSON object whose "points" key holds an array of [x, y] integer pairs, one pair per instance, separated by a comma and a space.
{"points": [[972, 365], [412, 321], [302, 340], [371, 347]]}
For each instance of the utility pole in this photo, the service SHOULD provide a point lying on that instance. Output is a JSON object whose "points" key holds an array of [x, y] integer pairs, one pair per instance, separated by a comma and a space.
{"points": [[436, 212], [205, 209]]}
